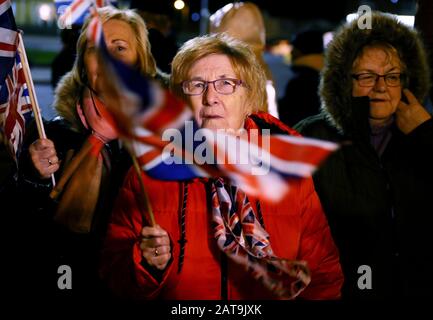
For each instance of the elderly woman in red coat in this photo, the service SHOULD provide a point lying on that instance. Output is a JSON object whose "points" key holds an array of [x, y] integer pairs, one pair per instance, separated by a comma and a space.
{"points": [[282, 250]]}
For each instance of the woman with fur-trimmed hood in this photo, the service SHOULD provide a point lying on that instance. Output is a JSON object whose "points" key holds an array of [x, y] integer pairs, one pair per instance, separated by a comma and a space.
{"points": [[376, 190], [84, 195]]}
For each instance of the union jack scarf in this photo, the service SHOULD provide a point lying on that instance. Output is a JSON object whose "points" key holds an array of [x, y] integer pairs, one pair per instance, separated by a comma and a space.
{"points": [[241, 237]]}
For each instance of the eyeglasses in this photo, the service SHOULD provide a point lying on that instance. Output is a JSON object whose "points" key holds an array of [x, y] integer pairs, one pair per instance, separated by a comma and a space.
{"points": [[222, 86], [370, 79]]}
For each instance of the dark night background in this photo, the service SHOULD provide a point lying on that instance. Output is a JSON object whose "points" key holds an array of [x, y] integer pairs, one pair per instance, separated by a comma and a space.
{"points": [[282, 17]]}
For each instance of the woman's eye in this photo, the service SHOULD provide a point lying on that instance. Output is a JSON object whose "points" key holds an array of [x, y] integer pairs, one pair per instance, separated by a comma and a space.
{"points": [[119, 49], [198, 85], [228, 83]]}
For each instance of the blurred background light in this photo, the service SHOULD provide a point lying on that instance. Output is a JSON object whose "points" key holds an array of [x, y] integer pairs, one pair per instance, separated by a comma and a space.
{"points": [[195, 16], [45, 12], [179, 4]]}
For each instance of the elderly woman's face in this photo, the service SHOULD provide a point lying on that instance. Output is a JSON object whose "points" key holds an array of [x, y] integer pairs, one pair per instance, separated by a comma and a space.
{"points": [[384, 97], [120, 40], [214, 110]]}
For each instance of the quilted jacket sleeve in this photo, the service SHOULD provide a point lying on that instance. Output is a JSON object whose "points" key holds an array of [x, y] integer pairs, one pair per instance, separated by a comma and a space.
{"points": [[121, 257], [318, 249]]}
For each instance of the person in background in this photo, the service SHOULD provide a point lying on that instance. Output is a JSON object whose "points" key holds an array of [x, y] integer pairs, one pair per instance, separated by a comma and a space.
{"points": [[158, 18], [300, 98], [64, 60], [278, 57], [244, 21], [376, 190]]}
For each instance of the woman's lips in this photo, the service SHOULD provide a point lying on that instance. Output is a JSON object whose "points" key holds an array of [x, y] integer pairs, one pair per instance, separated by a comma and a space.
{"points": [[211, 117]]}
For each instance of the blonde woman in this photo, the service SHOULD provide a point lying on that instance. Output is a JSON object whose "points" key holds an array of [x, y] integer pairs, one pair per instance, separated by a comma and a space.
{"points": [[81, 208]]}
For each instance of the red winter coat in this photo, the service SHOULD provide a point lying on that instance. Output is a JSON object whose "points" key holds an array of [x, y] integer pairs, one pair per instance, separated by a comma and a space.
{"points": [[297, 227]]}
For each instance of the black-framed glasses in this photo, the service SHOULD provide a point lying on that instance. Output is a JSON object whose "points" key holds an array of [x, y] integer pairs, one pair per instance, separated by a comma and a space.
{"points": [[223, 86], [369, 79]]}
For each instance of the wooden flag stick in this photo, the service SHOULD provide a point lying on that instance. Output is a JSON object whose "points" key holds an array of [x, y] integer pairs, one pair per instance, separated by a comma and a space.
{"points": [[32, 95], [143, 190], [144, 196]]}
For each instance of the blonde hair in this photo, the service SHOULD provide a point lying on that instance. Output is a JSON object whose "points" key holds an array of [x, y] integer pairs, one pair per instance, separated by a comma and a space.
{"points": [[242, 58], [70, 88], [145, 63]]}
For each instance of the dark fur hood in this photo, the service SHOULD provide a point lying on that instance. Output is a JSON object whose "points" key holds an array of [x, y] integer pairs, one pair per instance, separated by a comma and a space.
{"points": [[66, 97], [336, 82]]}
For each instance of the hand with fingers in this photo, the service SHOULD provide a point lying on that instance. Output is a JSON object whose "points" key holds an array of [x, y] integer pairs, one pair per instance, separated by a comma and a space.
{"points": [[44, 157], [410, 115], [155, 247]]}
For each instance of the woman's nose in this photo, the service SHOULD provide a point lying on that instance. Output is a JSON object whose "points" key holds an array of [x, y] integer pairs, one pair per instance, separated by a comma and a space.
{"points": [[380, 84], [210, 96]]}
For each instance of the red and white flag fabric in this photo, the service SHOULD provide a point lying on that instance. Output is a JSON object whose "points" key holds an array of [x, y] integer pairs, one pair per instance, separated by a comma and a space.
{"points": [[72, 12]]}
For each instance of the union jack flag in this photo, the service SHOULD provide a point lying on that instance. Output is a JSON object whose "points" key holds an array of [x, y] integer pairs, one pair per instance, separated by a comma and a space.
{"points": [[8, 36], [142, 112], [15, 107], [74, 12]]}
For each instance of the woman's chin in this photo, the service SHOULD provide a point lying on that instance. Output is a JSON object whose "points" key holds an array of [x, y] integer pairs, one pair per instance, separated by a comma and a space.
{"points": [[381, 110], [377, 119]]}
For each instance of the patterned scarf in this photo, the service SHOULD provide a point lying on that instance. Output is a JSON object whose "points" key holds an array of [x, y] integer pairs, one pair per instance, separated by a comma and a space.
{"points": [[241, 237]]}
